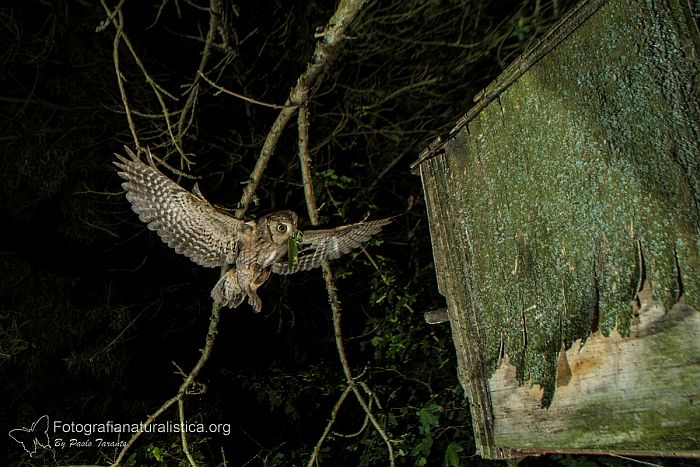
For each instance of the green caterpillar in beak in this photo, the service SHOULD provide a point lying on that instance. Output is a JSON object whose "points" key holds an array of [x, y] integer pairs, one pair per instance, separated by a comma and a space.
{"points": [[293, 249]]}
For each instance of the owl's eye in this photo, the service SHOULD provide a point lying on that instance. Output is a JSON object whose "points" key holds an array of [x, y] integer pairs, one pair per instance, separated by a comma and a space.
{"points": [[281, 228]]}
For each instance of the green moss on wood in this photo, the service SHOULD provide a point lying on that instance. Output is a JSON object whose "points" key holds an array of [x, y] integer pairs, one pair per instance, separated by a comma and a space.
{"points": [[582, 180]]}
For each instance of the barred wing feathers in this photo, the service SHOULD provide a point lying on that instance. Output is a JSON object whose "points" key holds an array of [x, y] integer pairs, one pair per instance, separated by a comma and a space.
{"points": [[185, 222], [320, 245]]}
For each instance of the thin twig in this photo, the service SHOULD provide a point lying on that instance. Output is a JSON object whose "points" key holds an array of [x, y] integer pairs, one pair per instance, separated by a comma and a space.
{"points": [[157, 89], [183, 124], [303, 125], [240, 96], [326, 431], [117, 9], [184, 387], [365, 422], [183, 435], [120, 79]]}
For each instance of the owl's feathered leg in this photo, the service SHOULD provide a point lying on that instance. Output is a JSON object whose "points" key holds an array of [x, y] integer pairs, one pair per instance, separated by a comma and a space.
{"points": [[228, 291], [252, 289], [238, 283]]}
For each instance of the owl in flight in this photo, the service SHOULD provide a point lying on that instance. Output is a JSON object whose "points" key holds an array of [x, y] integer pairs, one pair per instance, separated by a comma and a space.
{"points": [[210, 237]]}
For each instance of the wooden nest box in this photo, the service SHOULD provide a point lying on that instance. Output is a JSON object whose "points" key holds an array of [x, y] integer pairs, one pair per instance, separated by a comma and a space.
{"points": [[564, 212]]}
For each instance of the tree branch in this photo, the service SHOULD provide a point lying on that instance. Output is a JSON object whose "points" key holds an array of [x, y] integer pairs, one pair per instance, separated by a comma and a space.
{"points": [[332, 36], [303, 124], [334, 413], [323, 53], [240, 96], [158, 91], [120, 79], [183, 391], [183, 435], [193, 92]]}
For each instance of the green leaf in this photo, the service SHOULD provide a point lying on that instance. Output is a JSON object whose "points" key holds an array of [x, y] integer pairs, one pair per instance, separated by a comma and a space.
{"points": [[155, 452], [452, 454], [428, 417]]}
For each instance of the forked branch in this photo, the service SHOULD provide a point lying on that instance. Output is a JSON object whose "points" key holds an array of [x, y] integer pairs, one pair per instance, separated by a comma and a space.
{"points": [[325, 48], [331, 38]]}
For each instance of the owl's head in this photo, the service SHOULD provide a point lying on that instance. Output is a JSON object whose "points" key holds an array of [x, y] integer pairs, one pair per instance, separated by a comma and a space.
{"points": [[281, 226]]}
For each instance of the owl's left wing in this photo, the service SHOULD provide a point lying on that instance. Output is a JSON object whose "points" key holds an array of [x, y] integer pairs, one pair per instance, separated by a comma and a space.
{"points": [[320, 245], [184, 221]]}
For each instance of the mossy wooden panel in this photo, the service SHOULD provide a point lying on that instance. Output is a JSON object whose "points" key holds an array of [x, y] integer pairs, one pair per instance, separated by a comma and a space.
{"points": [[552, 207], [613, 393]]}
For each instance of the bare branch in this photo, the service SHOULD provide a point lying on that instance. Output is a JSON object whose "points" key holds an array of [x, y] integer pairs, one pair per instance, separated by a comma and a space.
{"points": [[334, 413], [158, 91], [183, 435], [330, 283], [120, 79], [184, 124], [323, 54], [188, 383], [241, 96]]}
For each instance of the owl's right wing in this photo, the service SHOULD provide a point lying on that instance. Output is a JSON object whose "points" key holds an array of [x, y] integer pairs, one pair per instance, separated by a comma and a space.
{"points": [[321, 245], [185, 222]]}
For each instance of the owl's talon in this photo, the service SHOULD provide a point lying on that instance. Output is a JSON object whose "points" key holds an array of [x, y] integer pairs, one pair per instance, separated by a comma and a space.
{"points": [[255, 302]]}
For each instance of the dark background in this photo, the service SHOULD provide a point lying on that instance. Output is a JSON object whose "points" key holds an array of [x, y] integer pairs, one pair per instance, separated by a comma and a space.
{"points": [[96, 314]]}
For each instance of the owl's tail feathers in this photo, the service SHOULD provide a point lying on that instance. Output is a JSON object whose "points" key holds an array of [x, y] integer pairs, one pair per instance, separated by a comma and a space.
{"points": [[228, 292]]}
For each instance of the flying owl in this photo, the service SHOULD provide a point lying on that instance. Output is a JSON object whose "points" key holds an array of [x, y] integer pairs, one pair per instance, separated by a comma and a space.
{"points": [[210, 237]]}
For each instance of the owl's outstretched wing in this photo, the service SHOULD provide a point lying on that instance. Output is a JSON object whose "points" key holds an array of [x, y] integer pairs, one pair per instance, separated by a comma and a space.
{"points": [[185, 221], [320, 245]]}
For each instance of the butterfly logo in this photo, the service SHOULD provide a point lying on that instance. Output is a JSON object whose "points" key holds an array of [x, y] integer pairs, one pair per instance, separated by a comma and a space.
{"points": [[32, 437]]}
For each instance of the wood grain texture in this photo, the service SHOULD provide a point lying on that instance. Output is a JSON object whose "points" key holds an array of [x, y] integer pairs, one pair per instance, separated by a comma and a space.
{"points": [[614, 394]]}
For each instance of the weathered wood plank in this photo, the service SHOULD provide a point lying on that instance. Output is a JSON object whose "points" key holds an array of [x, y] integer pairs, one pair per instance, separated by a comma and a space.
{"points": [[614, 393], [469, 359], [574, 182]]}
